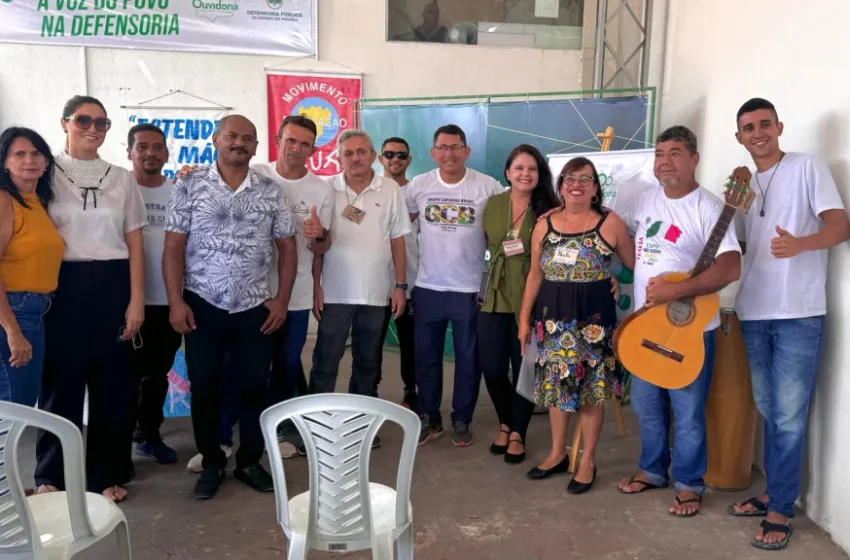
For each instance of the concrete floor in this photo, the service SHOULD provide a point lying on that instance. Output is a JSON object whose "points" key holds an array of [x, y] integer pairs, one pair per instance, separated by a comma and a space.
{"points": [[467, 505]]}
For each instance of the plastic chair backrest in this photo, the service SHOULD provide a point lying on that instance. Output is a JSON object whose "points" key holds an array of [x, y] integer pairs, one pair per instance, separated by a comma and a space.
{"points": [[17, 534], [338, 431]]}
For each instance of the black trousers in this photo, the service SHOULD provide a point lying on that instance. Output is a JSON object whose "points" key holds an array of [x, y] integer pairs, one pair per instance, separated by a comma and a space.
{"points": [[219, 334], [83, 349], [499, 348], [365, 323], [150, 365], [404, 329]]}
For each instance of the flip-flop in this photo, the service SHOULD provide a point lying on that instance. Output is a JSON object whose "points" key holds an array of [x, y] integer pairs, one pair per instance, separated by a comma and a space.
{"points": [[645, 486], [768, 527], [697, 500], [760, 511]]}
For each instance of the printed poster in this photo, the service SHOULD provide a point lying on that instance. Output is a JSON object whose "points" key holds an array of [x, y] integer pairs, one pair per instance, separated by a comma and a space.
{"points": [[188, 134], [266, 27], [329, 100]]}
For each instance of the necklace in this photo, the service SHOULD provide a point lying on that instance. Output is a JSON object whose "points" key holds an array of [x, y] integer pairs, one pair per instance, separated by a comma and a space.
{"points": [[769, 181], [513, 231]]}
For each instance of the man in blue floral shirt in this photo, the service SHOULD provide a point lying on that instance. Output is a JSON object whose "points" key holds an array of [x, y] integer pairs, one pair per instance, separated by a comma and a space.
{"points": [[221, 226]]}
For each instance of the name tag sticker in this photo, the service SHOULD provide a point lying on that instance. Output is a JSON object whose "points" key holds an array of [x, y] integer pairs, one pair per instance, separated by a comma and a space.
{"points": [[513, 247], [353, 213], [565, 255]]}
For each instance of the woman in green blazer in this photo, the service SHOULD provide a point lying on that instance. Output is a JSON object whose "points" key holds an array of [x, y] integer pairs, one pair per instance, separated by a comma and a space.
{"points": [[509, 218]]}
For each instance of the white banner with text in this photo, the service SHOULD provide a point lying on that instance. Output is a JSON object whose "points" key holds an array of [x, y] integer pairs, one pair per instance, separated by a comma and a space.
{"points": [[267, 27]]}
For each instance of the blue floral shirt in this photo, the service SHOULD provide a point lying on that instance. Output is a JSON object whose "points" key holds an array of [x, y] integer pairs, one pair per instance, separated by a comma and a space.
{"points": [[230, 235]]}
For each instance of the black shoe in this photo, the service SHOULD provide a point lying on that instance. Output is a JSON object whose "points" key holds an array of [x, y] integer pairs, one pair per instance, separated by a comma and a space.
{"points": [[376, 443], [301, 450], [158, 451], [575, 487], [497, 449], [256, 477], [208, 483], [539, 474], [515, 458]]}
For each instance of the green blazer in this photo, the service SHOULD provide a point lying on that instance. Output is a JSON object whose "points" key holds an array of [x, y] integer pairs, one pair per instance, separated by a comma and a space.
{"points": [[507, 274]]}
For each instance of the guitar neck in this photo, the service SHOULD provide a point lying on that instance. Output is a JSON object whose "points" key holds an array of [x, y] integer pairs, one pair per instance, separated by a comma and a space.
{"points": [[710, 251]]}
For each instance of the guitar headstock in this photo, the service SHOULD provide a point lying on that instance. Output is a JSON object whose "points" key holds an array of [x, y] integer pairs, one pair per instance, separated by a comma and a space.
{"points": [[738, 193]]}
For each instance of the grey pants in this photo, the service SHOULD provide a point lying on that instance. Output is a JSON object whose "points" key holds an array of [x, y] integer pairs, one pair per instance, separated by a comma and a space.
{"points": [[366, 325]]}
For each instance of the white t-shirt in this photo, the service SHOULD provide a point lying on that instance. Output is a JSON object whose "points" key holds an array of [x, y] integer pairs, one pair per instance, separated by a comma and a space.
{"points": [[451, 236], [792, 288], [670, 235], [156, 203], [411, 249], [95, 204], [355, 267], [301, 195]]}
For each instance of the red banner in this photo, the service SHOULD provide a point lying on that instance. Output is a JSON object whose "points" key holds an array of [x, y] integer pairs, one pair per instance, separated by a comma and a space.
{"points": [[326, 100]]}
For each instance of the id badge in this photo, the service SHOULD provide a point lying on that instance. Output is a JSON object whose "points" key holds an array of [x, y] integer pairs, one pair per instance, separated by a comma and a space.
{"points": [[513, 247], [353, 213], [565, 255]]}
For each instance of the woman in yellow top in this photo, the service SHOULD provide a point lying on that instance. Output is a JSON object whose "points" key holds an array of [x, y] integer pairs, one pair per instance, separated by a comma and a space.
{"points": [[30, 255]]}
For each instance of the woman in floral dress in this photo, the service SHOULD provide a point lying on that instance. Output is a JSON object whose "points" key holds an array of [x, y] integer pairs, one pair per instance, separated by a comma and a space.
{"points": [[568, 297]]}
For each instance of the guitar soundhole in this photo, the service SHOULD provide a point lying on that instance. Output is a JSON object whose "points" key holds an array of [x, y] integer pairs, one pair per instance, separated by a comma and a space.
{"points": [[680, 313]]}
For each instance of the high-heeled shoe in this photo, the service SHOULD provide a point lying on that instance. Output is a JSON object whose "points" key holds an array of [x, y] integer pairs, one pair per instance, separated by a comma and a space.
{"points": [[576, 487], [515, 458], [500, 449], [539, 474]]}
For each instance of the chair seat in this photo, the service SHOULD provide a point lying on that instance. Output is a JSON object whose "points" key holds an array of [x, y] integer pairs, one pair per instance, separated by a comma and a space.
{"points": [[383, 500], [53, 524]]}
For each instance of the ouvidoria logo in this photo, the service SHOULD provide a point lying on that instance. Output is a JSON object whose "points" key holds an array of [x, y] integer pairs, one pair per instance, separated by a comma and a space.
{"points": [[214, 9]]}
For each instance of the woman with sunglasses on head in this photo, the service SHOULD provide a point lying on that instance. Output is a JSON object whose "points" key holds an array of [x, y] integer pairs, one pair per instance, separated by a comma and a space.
{"points": [[569, 292], [30, 254], [99, 306], [509, 218]]}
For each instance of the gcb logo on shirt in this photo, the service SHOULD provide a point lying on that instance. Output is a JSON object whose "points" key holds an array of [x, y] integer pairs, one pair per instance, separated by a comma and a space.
{"points": [[450, 214]]}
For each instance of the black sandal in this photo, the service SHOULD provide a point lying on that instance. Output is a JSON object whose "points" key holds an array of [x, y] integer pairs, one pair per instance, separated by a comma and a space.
{"points": [[697, 500], [760, 511], [644, 486], [515, 458], [768, 527], [500, 449]]}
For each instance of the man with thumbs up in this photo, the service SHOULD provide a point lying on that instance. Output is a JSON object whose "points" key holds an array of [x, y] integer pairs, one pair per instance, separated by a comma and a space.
{"points": [[796, 217], [311, 201]]}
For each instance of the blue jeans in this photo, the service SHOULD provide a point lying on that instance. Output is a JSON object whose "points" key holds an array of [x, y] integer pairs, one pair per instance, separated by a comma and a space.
{"points": [[434, 310], [652, 406], [22, 384], [784, 356]]}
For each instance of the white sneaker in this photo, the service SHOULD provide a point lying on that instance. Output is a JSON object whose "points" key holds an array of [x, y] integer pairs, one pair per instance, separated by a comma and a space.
{"points": [[287, 450], [196, 463]]}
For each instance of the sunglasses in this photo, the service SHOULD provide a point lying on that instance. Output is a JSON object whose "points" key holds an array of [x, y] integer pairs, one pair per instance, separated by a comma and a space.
{"points": [[402, 156], [84, 122]]}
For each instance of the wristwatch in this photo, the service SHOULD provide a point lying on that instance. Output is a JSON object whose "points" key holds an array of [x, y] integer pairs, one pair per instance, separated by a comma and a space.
{"points": [[401, 286]]}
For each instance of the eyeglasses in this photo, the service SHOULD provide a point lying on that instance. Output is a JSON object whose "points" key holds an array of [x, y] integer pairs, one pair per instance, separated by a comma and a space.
{"points": [[402, 156], [84, 122], [453, 148], [584, 180]]}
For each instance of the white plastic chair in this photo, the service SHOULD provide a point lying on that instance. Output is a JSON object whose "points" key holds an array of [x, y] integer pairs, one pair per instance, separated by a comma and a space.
{"points": [[54, 525], [342, 511]]}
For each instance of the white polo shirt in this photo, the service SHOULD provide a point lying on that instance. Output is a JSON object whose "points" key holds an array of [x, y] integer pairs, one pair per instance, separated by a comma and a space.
{"points": [[355, 267]]}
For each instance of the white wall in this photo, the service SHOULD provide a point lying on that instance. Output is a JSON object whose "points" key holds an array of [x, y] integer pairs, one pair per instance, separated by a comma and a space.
{"points": [[719, 53], [35, 81]]}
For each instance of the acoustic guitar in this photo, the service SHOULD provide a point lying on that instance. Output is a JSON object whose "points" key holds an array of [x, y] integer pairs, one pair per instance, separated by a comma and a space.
{"points": [[663, 344]]}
